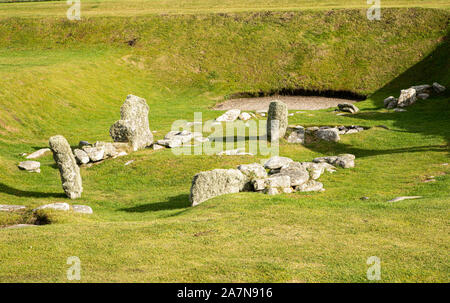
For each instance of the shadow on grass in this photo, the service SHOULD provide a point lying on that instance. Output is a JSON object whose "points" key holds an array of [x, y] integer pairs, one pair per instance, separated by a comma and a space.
{"points": [[30, 194], [175, 202], [427, 117]]}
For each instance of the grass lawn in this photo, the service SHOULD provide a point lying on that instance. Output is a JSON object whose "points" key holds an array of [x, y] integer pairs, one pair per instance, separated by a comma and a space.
{"points": [[70, 78]]}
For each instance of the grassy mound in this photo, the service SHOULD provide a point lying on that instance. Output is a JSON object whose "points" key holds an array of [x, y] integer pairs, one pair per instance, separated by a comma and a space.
{"points": [[70, 78]]}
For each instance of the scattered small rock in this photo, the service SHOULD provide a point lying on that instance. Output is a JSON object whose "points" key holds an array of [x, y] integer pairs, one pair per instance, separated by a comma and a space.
{"points": [[39, 153], [30, 166], [229, 116], [81, 156], [82, 209], [55, 206], [245, 116], [407, 97], [404, 198], [133, 127], [348, 107], [128, 162], [399, 110], [11, 208], [328, 134], [438, 88], [277, 162]]}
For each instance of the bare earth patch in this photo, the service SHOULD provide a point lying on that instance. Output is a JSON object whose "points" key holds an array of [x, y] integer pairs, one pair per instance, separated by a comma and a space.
{"points": [[293, 103]]}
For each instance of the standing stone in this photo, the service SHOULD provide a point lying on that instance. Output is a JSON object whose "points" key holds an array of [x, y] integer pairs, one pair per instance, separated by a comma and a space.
{"points": [[133, 126], [68, 168], [277, 120]]}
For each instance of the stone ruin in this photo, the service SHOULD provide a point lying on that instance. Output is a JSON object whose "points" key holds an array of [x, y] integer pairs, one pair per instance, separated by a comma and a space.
{"points": [[277, 175], [133, 127]]}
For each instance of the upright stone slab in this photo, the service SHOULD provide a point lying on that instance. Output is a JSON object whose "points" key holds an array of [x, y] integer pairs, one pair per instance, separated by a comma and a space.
{"points": [[68, 168], [278, 111], [133, 126]]}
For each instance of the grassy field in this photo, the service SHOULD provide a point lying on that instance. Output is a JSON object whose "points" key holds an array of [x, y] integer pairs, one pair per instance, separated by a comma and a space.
{"points": [[145, 7], [70, 78]]}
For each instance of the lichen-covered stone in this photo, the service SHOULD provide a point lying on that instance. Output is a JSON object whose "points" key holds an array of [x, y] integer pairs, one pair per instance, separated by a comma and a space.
{"points": [[277, 162], [68, 168], [209, 184], [407, 97], [11, 208], [311, 185], [348, 107], [296, 134], [277, 120], [133, 127], [343, 160], [56, 206], [253, 171], [30, 166], [95, 153], [296, 172], [81, 156], [328, 134], [229, 116], [438, 88], [39, 153], [82, 209]]}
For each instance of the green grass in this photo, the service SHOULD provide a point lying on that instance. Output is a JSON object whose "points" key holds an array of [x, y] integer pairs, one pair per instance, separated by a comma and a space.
{"points": [[61, 77], [146, 7]]}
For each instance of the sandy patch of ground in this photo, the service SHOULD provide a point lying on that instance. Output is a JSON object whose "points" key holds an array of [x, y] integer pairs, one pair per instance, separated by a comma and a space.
{"points": [[293, 103]]}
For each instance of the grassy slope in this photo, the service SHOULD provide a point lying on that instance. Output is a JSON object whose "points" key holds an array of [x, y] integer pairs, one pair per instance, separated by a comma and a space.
{"points": [[67, 78]]}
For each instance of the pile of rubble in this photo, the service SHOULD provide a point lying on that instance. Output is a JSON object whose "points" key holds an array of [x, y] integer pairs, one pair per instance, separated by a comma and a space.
{"points": [[177, 138], [277, 175], [409, 96], [299, 134]]}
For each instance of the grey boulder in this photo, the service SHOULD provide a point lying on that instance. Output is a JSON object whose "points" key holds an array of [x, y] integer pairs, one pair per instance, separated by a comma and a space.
{"points": [[39, 153], [407, 97], [328, 134], [133, 127], [209, 184]]}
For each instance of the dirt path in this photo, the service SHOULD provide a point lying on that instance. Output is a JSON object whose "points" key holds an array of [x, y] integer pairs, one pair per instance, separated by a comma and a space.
{"points": [[293, 102]]}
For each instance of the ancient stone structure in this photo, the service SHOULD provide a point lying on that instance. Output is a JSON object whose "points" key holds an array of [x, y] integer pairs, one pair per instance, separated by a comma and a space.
{"points": [[133, 126], [68, 168], [277, 120]]}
